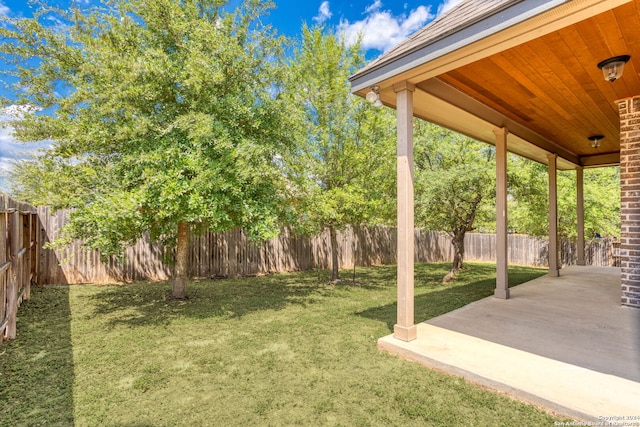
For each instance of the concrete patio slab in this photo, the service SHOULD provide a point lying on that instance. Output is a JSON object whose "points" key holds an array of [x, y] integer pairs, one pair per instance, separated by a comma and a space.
{"points": [[564, 343]]}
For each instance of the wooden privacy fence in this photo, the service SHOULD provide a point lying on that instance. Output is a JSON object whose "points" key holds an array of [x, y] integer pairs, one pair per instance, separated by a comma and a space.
{"points": [[231, 253], [23, 259], [18, 260], [534, 251]]}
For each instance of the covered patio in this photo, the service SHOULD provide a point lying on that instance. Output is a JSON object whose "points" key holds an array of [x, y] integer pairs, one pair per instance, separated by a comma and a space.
{"points": [[563, 343], [532, 78]]}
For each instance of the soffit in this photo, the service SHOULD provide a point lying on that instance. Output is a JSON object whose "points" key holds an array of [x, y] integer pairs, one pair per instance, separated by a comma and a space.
{"points": [[546, 89]]}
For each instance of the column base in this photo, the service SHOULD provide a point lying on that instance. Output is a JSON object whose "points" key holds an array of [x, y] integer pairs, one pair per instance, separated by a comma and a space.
{"points": [[554, 273], [405, 333], [502, 293]]}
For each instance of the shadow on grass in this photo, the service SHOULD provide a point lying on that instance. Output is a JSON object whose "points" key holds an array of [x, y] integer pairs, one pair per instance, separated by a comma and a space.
{"points": [[432, 298], [36, 369], [384, 276], [433, 303], [143, 303]]}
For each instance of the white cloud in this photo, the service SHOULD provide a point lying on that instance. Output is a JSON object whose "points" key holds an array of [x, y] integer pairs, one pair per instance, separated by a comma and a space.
{"points": [[11, 149], [380, 29], [374, 7], [4, 10], [324, 13], [447, 5]]}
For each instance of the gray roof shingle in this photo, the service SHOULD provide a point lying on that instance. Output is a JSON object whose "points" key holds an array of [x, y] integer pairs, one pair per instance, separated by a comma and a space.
{"points": [[461, 17], [463, 14]]}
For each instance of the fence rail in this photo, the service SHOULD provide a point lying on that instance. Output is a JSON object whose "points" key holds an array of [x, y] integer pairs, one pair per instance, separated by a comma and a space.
{"points": [[18, 260], [232, 254]]}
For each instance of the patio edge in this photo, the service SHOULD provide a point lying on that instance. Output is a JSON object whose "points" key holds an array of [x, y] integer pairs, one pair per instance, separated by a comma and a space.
{"points": [[559, 387]]}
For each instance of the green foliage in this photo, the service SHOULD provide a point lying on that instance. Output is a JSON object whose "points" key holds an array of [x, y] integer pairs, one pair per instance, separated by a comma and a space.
{"points": [[341, 170], [528, 206], [171, 111], [44, 180], [159, 112], [602, 202], [455, 180], [343, 165]]}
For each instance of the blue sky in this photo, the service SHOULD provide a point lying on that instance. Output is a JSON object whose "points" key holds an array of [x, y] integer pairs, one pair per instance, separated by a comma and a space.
{"points": [[383, 24]]}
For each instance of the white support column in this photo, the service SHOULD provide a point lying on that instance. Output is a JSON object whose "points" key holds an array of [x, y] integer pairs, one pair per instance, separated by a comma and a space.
{"points": [[554, 270], [404, 329], [502, 281], [580, 211]]}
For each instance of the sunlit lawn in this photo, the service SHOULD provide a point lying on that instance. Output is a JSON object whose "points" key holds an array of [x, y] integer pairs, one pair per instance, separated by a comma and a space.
{"points": [[287, 349]]}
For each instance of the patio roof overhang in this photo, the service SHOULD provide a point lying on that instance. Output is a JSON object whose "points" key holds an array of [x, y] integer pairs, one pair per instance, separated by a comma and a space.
{"points": [[529, 66]]}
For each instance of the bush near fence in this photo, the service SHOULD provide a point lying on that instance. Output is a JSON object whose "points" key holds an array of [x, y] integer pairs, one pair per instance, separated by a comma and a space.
{"points": [[232, 254], [18, 260]]}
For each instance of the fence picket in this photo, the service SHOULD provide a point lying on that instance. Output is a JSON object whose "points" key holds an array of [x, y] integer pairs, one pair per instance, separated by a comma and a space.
{"points": [[231, 253], [18, 267]]}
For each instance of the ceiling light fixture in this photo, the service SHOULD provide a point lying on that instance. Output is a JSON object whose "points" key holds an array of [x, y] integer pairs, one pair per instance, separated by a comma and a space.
{"points": [[612, 68], [595, 140], [374, 96]]}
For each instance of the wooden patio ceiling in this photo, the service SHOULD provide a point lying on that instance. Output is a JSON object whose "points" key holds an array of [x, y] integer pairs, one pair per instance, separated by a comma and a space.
{"points": [[547, 91]]}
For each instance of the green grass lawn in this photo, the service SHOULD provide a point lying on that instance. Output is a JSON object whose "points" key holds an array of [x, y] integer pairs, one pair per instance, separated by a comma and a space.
{"points": [[287, 349]]}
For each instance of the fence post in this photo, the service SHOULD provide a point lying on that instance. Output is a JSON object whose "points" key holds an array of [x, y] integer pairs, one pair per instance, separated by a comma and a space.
{"points": [[26, 260], [5, 271], [33, 248], [12, 285], [18, 260]]}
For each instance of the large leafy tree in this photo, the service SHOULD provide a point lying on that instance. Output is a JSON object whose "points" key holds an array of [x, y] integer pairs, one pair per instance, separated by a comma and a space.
{"points": [[163, 118], [602, 202], [528, 205], [342, 167], [455, 184]]}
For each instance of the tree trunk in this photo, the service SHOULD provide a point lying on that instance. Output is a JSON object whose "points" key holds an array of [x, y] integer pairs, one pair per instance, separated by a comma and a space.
{"points": [[457, 240], [335, 273], [181, 270], [458, 250]]}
